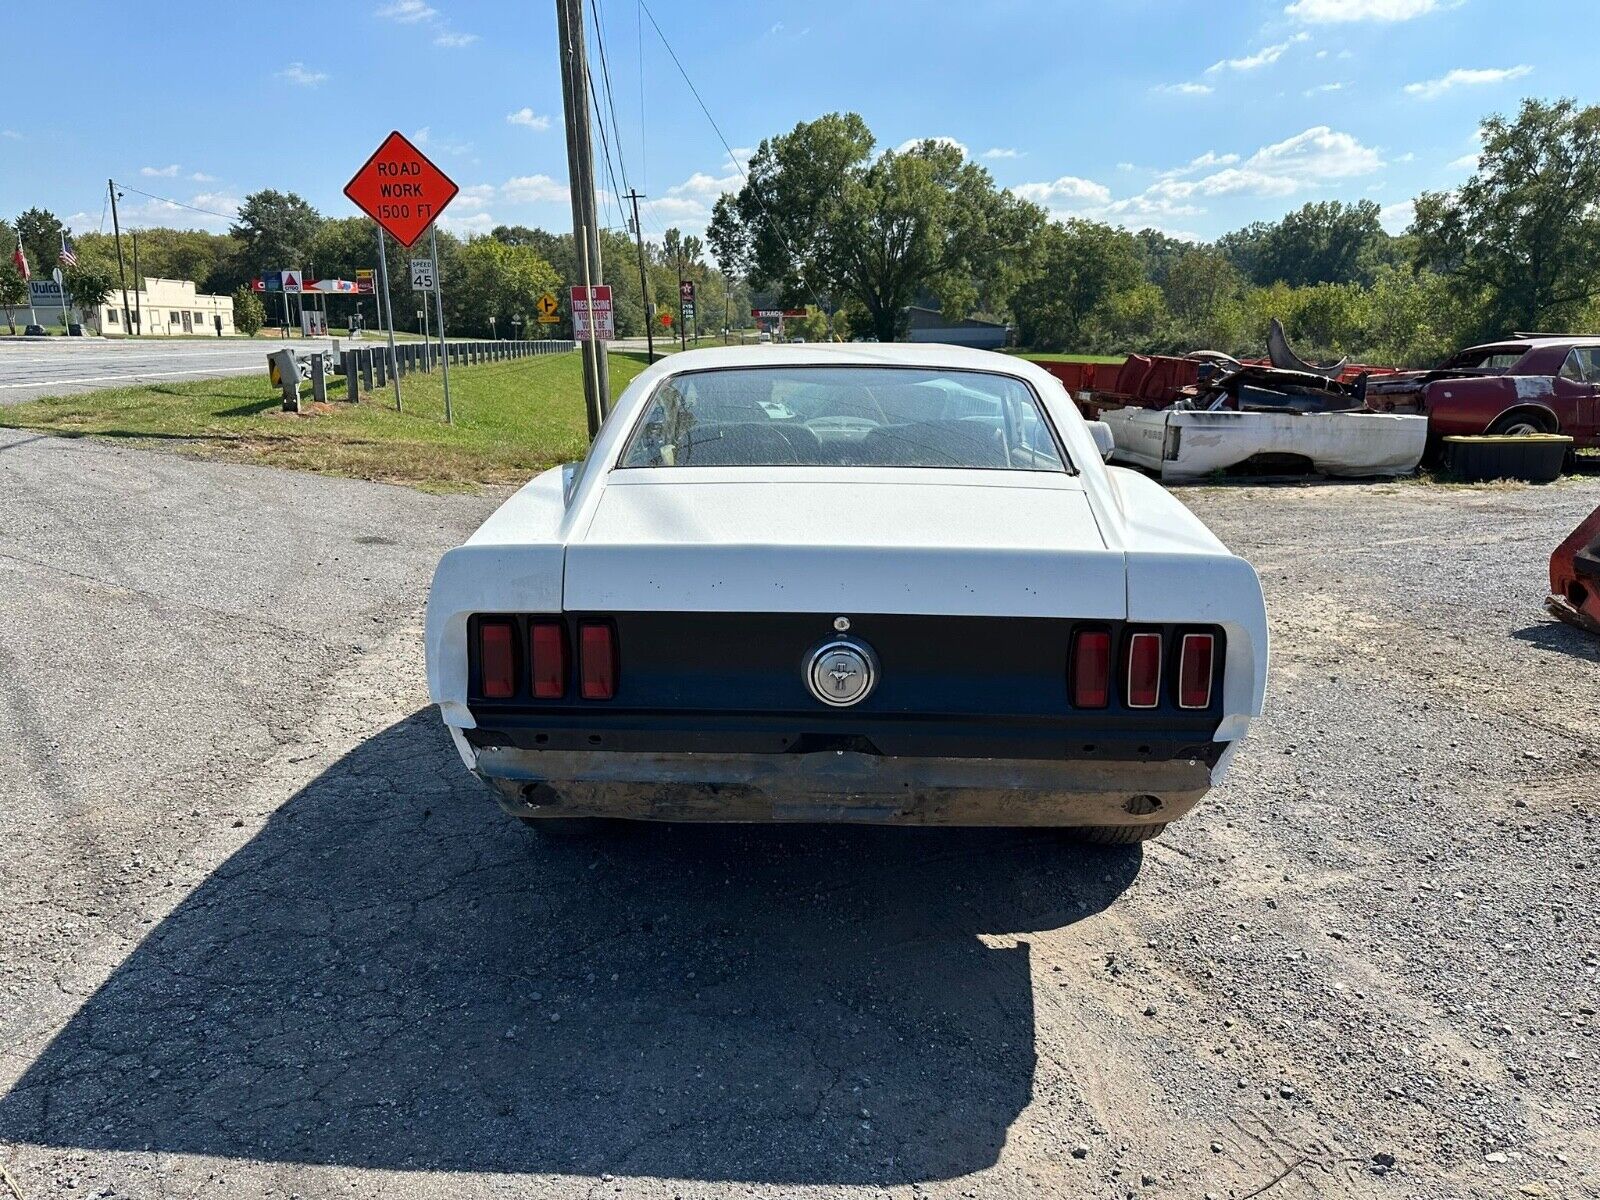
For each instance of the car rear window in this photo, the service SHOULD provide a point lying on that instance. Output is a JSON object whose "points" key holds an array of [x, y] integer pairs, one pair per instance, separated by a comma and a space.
{"points": [[1487, 358], [844, 416]]}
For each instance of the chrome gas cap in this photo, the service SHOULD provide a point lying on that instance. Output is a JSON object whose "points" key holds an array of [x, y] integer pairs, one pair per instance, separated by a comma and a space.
{"points": [[842, 673]]}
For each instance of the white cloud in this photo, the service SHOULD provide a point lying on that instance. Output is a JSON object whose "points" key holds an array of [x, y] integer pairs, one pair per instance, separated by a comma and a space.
{"points": [[1408, 156], [477, 223], [1126, 166], [1323, 88], [913, 143], [1466, 77], [1003, 152], [167, 172], [1318, 153], [1261, 58], [1465, 162], [407, 12], [528, 189], [1397, 218], [526, 116], [1204, 162], [1068, 190], [453, 41], [301, 75], [202, 177], [12, 134], [474, 197], [424, 137], [1184, 89], [706, 186], [1332, 12]]}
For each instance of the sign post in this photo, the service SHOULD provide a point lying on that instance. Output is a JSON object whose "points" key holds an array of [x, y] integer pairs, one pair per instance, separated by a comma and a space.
{"points": [[385, 300], [438, 312], [291, 285], [422, 281], [404, 192], [686, 312]]}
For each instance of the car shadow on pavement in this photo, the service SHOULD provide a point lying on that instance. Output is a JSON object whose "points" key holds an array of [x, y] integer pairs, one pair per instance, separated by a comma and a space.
{"points": [[1562, 638], [393, 974]]}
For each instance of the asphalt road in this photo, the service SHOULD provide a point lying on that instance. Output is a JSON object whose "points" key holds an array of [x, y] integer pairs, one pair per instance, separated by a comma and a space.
{"points": [[35, 367], [263, 936]]}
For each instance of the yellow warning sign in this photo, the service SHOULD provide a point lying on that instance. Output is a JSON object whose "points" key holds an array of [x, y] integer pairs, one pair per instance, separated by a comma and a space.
{"points": [[548, 309]]}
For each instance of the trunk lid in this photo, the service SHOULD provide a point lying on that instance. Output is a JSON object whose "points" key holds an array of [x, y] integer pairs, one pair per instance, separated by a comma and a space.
{"points": [[820, 540]]}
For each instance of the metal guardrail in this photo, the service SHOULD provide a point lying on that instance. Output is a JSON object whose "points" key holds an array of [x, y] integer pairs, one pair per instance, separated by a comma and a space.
{"points": [[368, 368]]}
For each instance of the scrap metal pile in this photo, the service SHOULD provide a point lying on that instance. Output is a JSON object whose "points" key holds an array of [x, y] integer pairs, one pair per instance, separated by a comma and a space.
{"points": [[1188, 417]]}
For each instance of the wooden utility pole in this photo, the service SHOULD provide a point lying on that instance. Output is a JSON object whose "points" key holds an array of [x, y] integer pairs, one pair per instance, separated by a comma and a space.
{"points": [[580, 175], [644, 283], [122, 274]]}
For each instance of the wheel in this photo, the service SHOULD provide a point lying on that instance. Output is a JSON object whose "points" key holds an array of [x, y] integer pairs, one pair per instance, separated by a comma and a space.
{"points": [[1520, 425], [1117, 835]]}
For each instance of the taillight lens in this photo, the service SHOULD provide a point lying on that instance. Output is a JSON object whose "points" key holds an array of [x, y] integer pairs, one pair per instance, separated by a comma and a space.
{"points": [[548, 659], [497, 659], [1144, 670], [597, 660], [1195, 660], [1091, 669]]}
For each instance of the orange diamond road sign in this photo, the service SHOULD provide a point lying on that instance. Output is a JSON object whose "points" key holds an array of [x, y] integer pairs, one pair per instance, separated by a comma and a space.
{"points": [[400, 189]]}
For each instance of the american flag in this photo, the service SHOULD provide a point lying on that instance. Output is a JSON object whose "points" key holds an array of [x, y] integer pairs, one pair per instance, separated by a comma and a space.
{"points": [[69, 256]]}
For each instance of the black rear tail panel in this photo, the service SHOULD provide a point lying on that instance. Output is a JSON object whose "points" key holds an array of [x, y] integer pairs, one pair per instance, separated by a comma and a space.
{"points": [[986, 687]]}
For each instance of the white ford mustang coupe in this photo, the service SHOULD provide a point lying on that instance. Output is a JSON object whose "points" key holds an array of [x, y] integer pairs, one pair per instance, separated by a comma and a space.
{"points": [[875, 583]]}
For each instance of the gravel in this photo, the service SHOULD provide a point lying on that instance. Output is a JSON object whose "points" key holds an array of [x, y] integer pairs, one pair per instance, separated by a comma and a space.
{"points": [[264, 936]]}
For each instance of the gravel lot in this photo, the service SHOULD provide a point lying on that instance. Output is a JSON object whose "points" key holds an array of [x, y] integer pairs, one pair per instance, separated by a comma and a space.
{"points": [[262, 936]]}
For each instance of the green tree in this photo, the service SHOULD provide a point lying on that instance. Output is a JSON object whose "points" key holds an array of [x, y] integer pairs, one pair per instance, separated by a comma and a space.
{"points": [[1520, 240], [13, 291], [88, 285], [1082, 265], [499, 281], [1202, 291], [41, 240], [822, 215], [249, 315], [273, 230]]}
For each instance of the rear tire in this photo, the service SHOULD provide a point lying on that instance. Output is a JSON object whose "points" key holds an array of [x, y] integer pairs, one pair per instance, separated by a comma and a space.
{"points": [[1520, 425], [1117, 835]]}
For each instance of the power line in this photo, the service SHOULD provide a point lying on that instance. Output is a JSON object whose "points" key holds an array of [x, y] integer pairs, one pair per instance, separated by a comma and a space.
{"points": [[772, 220], [611, 104], [178, 203]]}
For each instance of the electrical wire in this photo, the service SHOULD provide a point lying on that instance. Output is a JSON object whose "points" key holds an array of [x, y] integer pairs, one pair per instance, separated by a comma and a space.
{"points": [[772, 220], [178, 203]]}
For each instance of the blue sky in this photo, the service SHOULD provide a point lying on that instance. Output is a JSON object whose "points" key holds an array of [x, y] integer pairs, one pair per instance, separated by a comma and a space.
{"points": [[1193, 116]]}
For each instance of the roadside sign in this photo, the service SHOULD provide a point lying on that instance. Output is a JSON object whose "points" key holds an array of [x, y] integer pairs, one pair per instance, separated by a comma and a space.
{"points": [[272, 281], [291, 280], [772, 314], [56, 275], [549, 311], [422, 274], [364, 284], [595, 301], [401, 189], [686, 291]]}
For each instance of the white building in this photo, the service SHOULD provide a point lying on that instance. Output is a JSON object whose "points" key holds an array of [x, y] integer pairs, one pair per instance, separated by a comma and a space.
{"points": [[164, 308]]}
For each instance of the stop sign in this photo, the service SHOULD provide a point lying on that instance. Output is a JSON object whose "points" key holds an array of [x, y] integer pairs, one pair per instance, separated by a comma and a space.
{"points": [[400, 189]]}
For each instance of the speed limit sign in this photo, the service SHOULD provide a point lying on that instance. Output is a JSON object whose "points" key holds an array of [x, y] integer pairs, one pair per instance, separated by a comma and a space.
{"points": [[422, 274]]}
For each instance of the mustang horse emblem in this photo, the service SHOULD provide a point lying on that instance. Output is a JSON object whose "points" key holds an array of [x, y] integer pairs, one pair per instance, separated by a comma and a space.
{"points": [[841, 676]]}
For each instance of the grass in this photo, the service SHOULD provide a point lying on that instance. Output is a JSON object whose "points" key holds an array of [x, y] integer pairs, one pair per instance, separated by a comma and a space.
{"points": [[513, 420]]}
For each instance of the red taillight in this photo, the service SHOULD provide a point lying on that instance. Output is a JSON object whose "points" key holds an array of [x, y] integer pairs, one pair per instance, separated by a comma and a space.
{"points": [[497, 659], [1091, 669], [597, 660], [1144, 670], [1194, 670], [547, 667]]}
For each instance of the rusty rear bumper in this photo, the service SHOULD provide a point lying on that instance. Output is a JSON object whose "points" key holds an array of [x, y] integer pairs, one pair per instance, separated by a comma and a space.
{"points": [[841, 787]]}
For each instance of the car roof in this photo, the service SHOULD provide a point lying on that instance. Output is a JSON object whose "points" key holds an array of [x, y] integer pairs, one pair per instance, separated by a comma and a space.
{"points": [[866, 354]]}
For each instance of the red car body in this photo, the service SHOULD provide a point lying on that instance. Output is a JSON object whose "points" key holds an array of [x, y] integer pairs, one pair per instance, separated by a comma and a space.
{"points": [[1521, 385]]}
